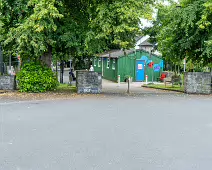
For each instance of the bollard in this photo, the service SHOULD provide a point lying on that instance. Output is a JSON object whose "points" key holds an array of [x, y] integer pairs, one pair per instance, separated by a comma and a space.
{"points": [[146, 79], [128, 81], [119, 80]]}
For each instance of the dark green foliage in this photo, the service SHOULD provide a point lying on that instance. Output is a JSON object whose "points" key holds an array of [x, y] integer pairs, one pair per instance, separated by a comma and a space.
{"points": [[183, 31], [35, 77], [34, 28]]}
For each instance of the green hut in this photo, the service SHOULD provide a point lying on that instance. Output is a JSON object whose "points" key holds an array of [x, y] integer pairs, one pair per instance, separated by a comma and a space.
{"points": [[134, 63]]}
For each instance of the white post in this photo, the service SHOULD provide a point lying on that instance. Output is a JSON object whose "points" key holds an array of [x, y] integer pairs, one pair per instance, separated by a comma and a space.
{"points": [[146, 79], [10, 65], [119, 80], [102, 67], [184, 63]]}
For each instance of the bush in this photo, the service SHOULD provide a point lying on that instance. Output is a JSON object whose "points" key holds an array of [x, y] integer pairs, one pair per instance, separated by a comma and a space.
{"points": [[35, 77]]}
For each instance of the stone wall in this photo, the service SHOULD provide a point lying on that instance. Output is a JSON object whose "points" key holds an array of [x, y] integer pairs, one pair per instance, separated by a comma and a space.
{"points": [[7, 83], [197, 82], [88, 82]]}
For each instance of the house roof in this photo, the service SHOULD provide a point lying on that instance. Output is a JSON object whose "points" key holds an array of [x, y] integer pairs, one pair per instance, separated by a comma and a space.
{"points": [[145, 43], [141, 40], [138, 38], [116, 53], [120, 53]]}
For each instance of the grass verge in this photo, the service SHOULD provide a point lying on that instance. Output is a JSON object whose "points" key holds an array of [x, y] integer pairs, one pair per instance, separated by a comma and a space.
{"points": [[168, 87], [66, 88], [63, 91]]}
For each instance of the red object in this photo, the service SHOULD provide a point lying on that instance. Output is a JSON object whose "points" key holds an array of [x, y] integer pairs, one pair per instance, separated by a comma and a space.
{"points": [[163, 75], [151, 64]]}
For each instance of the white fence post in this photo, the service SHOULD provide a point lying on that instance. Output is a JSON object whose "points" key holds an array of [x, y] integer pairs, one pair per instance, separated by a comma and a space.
{"points": [[146, 79], [119, 80]]}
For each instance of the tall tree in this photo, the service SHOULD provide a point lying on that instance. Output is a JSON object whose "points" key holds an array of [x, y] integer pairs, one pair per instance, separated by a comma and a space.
{"points": [[32, 35], [206, 25], [37, 28], [178, 33]]}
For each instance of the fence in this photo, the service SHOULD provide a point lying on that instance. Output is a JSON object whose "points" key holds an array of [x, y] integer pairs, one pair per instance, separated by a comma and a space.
{"points": [[9, 68]]}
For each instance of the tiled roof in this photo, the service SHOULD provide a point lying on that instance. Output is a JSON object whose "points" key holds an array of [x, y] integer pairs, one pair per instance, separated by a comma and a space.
{"points": [[115, 53], [145, 43]]}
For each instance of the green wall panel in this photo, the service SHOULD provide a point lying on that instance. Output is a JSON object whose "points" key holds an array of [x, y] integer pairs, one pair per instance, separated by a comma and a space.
{"points": [[125, 66], [97, 68]]}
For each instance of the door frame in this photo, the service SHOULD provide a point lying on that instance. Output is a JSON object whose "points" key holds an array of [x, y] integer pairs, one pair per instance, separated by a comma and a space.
{"points": [[136, 69]]}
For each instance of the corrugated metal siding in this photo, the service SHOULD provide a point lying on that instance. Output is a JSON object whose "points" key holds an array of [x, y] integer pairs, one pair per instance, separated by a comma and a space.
{"points": [[149, 71], [95, 65], [125, 65], [109, 73]]}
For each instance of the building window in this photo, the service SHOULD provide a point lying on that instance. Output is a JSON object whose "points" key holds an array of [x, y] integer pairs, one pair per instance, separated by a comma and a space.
{"points": [[94, 61], [114, 64], [108, 63], [99, 62]]}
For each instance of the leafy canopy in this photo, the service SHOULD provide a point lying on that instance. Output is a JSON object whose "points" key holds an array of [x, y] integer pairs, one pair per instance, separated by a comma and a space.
{"points": [[33, 28], [184, 31]]}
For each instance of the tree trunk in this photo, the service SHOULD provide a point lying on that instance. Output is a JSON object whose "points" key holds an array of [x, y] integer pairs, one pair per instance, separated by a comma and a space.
{"points": [[47, 57]]}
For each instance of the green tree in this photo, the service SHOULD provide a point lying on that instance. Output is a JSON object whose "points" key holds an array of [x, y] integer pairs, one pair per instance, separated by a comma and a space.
{"points": [[178, 31], [114, 24], [31, 35], [206, 25], [36, 29]]}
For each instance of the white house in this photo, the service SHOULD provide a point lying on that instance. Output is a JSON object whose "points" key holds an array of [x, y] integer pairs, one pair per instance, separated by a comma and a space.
{"points": [[144, 44]]}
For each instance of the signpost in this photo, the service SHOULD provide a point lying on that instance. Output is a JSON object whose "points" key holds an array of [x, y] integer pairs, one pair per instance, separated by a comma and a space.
{"points": [[184, 64], [10, 68], [1, 62]]}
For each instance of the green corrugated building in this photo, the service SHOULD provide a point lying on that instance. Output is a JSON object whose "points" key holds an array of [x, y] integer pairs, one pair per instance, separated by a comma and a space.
{"points": [[134, 63]]}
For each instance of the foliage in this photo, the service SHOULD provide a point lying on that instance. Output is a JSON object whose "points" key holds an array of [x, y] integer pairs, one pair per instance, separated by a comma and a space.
{"points": [[206, 25], [181, 32], [115, 24], [70, 28], [35, 77]]}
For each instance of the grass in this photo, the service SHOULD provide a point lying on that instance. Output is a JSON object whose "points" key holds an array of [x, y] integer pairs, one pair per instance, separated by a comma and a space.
{"points": [[168, 87], [66, 88], [63, 91]]}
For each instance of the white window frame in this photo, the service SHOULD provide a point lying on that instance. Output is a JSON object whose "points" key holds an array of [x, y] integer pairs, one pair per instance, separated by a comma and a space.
{"points": [[94, 62], [114, 64], [99, 62], [108, 63]]}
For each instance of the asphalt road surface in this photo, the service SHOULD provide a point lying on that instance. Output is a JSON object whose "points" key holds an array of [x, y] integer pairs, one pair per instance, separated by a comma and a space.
{"points": [[147, 132]]}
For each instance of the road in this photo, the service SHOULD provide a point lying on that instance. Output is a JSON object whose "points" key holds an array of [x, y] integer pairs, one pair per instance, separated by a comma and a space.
{"points": [[146, 132]]}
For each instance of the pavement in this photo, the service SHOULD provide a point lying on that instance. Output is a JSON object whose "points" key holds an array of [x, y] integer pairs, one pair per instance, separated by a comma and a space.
{"points": [[106, 132], [110, 87], [135, 88]]}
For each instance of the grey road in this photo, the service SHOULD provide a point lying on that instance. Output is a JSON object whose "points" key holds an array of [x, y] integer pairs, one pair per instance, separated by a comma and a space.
{"points": [[146, 132]]}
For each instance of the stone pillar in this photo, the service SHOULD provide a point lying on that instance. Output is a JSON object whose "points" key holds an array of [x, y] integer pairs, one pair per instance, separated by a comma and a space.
{"points": [[7, 83], [88, 82], [197, 82]]}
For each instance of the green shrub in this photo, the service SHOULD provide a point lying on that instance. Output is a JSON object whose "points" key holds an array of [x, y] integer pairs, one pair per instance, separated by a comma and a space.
{"points": [[34, 77]]}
